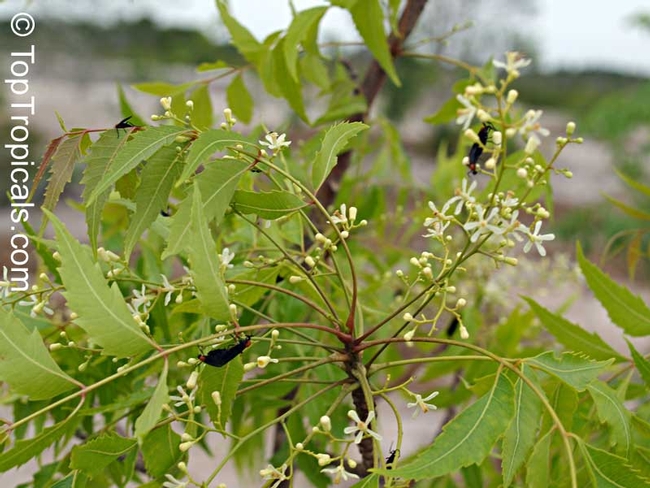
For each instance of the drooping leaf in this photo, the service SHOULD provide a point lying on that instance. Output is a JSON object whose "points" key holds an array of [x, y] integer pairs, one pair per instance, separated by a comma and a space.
{"points": [[225, 380], [538, 466], [143, 144], [608, 470], [151, 413], [101, 310], [335, 140], [93, 456], [612, 412], [160, 450], [626, 310], [520, 436], [300, 28], [467, 439], [641, 363], [573, 336], [574, 370], [26, 364], [205, 265], [243, 40], [267, 205], [67, 155], [239, 99], [633, 212]]}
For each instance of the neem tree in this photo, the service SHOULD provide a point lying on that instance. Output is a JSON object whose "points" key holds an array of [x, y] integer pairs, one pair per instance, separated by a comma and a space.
{"points": [[305, 283]]}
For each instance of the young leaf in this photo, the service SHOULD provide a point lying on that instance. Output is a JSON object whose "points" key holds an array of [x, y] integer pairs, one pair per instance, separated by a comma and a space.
{"points": [[467, 439], [151, 413], [520, 436], [335, 140], [93, 456], [207, 277], [267, 205], [573, 336], [239, 99], [626, 310], [67, 155], [225, 380], [160, 450], [612, 412], [101, 309], [641, 363], [26, 365], [143, 145], [574, 370], [301, 26], [608, 470], [538, 466]]}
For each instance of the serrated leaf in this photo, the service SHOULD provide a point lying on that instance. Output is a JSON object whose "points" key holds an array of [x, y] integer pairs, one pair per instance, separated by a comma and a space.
{"points": [[27, 449], [574, 370], [93, 456], [301, 26], [641, 363], [573, 336], [607, 470], [243, 40], [335, 140], [160, 450], [26, 365], [217, 184], [612, 412], [467, 439], [538, 466], [368, 18], [626, 310], [225, 380], [520, 436], [205, 145], [151, 413], [64, 160], [202, 111], [157, 179], [267, 205], [143, 144], [239, 99], [204, 264], [101, 310]]}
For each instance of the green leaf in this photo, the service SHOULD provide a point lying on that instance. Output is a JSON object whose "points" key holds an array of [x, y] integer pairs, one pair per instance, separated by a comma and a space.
{"points": [[446, 113], [612, 412], [520, 436], [202, 112], [641, 363], [607, 470], [101, 309], [25, 363], [157, 179], [160, 450], [573, 336], [300, 28], [467, 439], [213, 66], [217, 184], [243, 40], [538, 466], [205, 266], [631, 211], [239, 99], [143, 144], [25, 450], [574, 370], [633, 183], [267, 205], [151, 413], [226, 381], [127, 110], [371, 481], [208, 143], [163, 89], [335, 140], [368, 17], [63, 164], [626, 310], [291, 90], [93, 456]]}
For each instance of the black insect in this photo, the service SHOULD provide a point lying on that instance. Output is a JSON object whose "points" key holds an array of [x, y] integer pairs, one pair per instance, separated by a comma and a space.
{"points": [[221, 357], [453, 326], [391, 458], [123, 124], [166, 213], [477, 149]]}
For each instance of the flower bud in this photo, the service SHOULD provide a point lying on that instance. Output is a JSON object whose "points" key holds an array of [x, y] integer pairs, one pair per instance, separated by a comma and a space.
{"points": [[55, 346], [570, 128], [522, 173], [471, 135], [407, 316], [497, 138], [323, 459], [463, 332], [295, 279], [326, 423], [490, 163], [512, 96], [531, 145], [300, 446], [275, 333], [191, 382], [352, 213], [409, 335], [510, 132], [216, 398], [166, 103], [190, 104], [184, 446], [263, 361], [461, 303], [352, 463], [182, 467]]}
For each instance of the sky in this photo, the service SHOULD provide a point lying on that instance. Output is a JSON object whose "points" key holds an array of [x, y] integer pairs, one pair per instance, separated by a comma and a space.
{"points": [[574, 34]]}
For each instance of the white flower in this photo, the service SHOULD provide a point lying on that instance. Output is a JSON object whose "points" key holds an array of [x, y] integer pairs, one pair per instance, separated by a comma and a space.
{"points": [[141, 298], [275, 142], [340, 216], [463, 195], [166, 103], [184, 398], [420, 402], [225, 258], [361, 427], [482, 223], [263, 361], [465, 115], [167, 287], [514, 61], [436, 229], [537, 239], [173, 482], [532, 125], [273, 473], [339, 473]]}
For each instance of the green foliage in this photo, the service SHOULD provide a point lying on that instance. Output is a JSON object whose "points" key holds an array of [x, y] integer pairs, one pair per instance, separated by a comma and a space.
{"points": [[301, 265]]}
